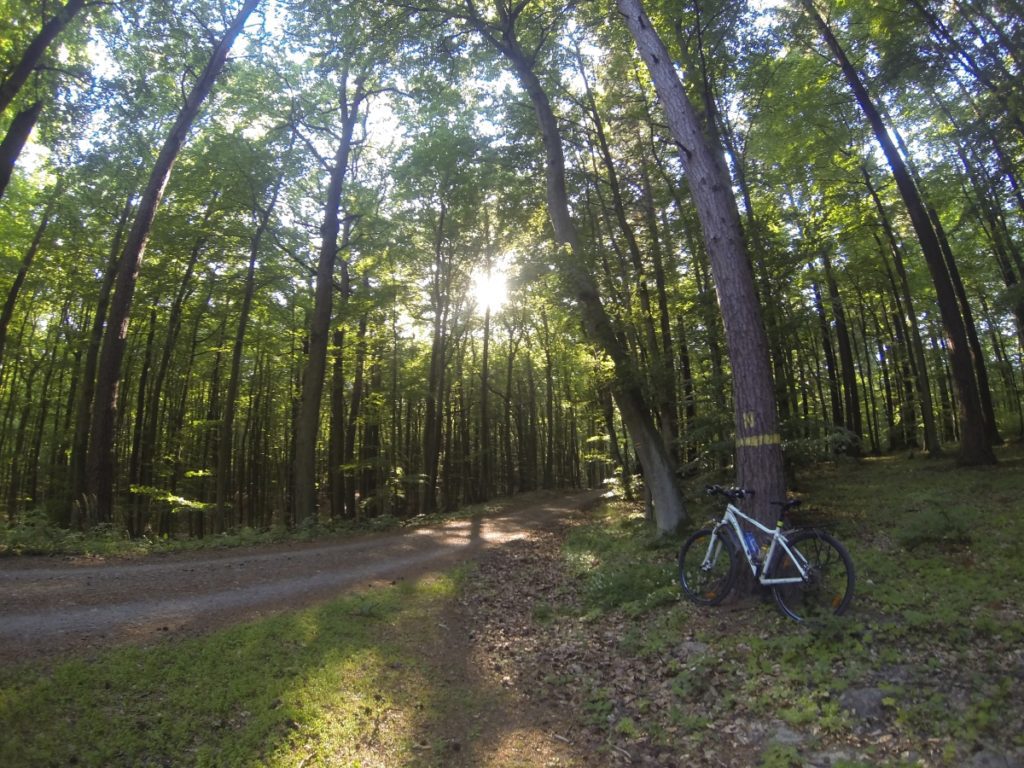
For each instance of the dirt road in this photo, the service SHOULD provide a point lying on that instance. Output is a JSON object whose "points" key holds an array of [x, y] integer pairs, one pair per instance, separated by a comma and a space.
{"points": [[49, 606]]}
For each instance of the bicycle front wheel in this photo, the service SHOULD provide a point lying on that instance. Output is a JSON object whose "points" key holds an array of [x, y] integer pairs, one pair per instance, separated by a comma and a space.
{"points": [[706, 570], [828, 588]]}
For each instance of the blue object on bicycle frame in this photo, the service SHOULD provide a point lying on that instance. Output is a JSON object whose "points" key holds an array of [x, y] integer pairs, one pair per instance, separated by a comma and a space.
{"points": [[751, 544]]}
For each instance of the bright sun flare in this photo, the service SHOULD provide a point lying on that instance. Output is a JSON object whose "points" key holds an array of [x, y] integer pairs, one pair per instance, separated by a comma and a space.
{"points": [[490, 289]]}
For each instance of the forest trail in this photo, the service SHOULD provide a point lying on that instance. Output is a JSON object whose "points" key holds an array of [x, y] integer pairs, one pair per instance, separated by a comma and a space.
{"points": [[51, 607]]}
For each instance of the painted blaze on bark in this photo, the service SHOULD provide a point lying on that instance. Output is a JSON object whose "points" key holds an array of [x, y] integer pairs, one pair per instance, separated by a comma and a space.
{"points": [[758, 445]]}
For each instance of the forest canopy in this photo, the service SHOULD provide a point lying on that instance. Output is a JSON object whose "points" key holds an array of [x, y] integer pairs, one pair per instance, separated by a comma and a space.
{"points": [[273, 262]]}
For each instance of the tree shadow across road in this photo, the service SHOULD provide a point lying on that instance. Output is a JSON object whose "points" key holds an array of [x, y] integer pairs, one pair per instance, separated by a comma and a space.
{"points": [[383, 677]]}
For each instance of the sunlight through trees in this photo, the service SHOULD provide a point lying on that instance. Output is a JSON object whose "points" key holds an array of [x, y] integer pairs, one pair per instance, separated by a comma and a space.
{"points": [[386, 259]]}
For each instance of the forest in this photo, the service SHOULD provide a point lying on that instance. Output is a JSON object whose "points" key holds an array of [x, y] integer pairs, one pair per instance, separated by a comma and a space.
{"points": [[285, 262]]}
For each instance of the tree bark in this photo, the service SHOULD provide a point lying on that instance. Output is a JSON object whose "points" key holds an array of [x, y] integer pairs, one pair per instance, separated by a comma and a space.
{"points": [[18, 133], [759, 461], [34, 52]]}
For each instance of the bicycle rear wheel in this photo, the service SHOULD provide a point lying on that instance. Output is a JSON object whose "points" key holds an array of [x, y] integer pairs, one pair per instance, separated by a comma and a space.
{"points": [[706, 571], [828, 589]]}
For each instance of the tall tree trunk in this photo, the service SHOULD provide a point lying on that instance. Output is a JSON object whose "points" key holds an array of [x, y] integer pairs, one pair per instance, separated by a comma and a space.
{"points": [[608, 412], [225, 444], [370, 490], [977, 353], [307, 426], [759, 460], [33, 54], [486, 442], [848, 372], [135, 519], [77, 484], [18, 133], [666, 383], [151, 426], [432, 421], [336, 473], [830, 359], [721, 135], [18, 449], [101, 452], [549, 405], [883, 357], [909, 318], [513, 480], [353, 502], [19, 279], [34, 454], [975, 447], [658, 467]]}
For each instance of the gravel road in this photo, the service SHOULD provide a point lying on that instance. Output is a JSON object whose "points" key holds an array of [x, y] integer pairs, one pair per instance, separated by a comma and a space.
{"points": [[50, 606]]}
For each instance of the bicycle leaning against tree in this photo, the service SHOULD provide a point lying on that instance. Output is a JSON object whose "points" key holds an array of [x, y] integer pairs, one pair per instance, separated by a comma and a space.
{"points": [[808, 571]]}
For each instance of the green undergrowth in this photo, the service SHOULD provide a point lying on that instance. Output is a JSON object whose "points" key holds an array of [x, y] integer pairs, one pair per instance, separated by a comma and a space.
{"points": [[33, 533], [932, 639], [621, 563], [342, 684]]}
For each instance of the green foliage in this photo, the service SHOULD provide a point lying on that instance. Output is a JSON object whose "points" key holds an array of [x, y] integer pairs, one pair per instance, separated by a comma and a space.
{"points": [[781, 756], [599, 707], [34, 533], [627, 728], [809, 444], [936, 524], [615, 564]]}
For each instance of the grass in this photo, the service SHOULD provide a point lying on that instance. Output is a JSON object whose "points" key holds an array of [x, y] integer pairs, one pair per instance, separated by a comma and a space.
{"points": [[344, 684], [937, 623]]}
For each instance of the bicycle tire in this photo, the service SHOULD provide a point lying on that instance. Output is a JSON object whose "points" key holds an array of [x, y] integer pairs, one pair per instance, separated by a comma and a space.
{"points": [[832, 577], [711, 585]]}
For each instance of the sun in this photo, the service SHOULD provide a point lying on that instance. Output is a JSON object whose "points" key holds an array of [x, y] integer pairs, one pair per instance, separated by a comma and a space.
{"points": [[489, 289]]}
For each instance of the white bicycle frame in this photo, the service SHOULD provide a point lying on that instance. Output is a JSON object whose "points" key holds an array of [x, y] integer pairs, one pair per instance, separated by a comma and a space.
{"points": [[778, 541]]}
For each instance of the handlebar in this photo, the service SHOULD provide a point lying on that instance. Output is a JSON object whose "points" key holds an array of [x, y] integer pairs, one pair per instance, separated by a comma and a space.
{"points": [[733, 494]]}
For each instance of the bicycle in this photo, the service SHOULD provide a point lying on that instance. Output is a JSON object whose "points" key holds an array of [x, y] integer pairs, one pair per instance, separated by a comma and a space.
{"points": [[809, 572]]}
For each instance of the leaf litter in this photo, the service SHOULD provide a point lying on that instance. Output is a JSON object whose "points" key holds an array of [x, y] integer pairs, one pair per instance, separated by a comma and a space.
{"points": [[735, 686]]}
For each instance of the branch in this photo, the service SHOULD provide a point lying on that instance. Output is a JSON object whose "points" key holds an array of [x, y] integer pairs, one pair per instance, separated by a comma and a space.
{"points": [[309, 145]]}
